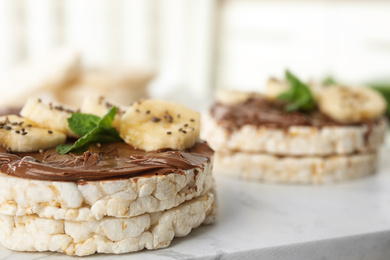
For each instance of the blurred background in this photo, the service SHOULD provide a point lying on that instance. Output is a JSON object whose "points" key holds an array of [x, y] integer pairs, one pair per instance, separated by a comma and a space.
{"points": [[184, 50]]}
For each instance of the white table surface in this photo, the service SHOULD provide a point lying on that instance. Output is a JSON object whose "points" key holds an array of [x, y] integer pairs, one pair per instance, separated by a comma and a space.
{"points": [[267, 221]]}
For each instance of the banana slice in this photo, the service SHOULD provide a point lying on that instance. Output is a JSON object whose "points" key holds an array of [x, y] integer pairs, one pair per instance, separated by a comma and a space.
{"points": [[48, 115], [351, 105], [316, 88], [20, 135], [231, 97], [155, 124], [275, 87], [99, 106]]}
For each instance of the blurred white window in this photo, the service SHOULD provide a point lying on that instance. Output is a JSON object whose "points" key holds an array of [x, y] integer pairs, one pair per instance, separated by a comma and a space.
{"points": [[196, 46]]}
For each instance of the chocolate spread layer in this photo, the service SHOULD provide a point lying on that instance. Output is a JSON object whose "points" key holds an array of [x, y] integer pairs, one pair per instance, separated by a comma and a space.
{"points": [[108, 161], [260, 111], [10, 111]]}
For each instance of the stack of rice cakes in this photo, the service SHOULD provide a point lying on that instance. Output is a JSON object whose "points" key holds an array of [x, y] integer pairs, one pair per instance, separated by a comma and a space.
{"points": [[256, 142], [114, 216], [41, 209]]}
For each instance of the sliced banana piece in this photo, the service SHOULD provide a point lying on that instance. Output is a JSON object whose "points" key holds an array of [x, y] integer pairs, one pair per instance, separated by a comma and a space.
{"points": [[99, 106], [155, 124], [275, 87], [351, 104], [48, 115], [20, 135], [231, 97], [316, 88]]}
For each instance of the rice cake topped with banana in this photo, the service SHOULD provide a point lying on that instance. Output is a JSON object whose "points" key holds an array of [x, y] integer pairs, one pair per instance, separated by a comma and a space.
{"points": [[318, 136], [98, 194], [260, 124]]}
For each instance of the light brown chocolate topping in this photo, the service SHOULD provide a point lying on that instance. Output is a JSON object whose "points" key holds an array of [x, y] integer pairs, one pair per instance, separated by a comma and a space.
{"points": [[260, 111], [10, 111], [108, 161]]}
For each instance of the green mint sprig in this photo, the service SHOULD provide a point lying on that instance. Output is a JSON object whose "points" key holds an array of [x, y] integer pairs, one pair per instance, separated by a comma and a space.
{"points": [[298, 96], [92, 129]]}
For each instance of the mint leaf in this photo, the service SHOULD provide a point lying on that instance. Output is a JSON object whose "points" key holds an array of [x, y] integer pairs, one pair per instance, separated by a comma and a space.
{"points": [[81, 123], [298, 96], [94, 129], [108, 118], [64, 148]]}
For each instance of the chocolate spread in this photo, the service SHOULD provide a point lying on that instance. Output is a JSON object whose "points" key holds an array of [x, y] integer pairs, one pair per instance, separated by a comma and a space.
{"points": [[260, 111], [10, 111], [103, 162]]}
